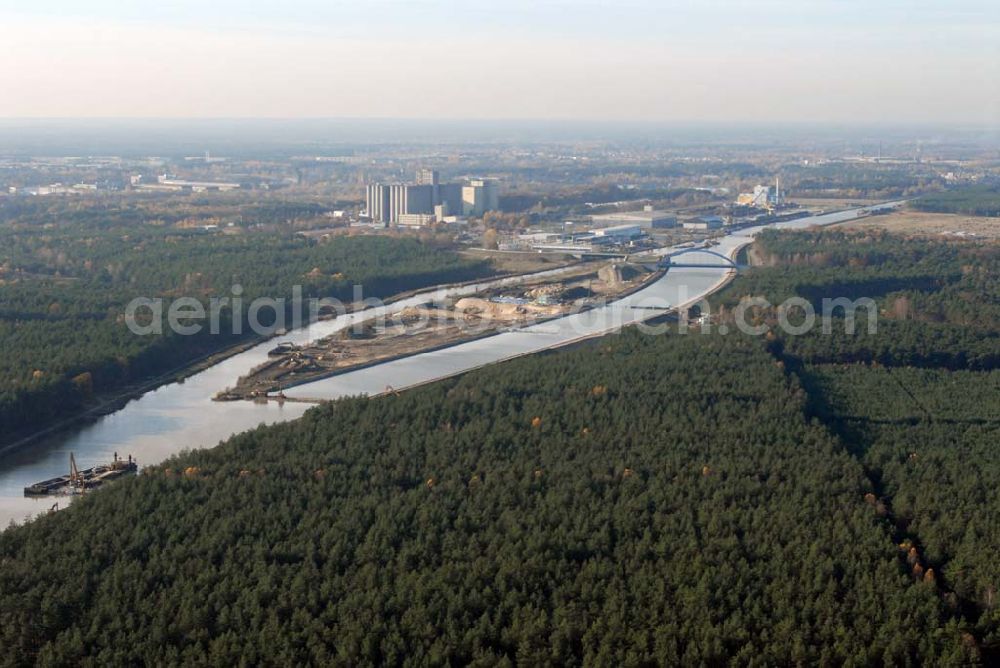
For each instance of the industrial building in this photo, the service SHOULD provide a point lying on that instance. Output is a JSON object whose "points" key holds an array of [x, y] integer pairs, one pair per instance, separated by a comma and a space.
{"points": [[478, 197], [415, 219], [703, 223], [538, 237], [450, 197], [762, 197], [619, 232], [167, 182], [388, 203], [647, 219]]}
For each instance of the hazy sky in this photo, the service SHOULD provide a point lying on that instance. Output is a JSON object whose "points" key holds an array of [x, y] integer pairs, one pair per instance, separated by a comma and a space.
{"points": [[667, 60]]}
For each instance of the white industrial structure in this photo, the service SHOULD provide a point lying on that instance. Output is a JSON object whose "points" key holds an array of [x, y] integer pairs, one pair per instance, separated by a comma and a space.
{"points": [[619, 232], [647, 219], [762, 197]]}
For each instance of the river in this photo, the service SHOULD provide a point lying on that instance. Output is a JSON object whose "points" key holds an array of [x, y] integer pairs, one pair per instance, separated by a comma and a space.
{"points": [[181, 415]]}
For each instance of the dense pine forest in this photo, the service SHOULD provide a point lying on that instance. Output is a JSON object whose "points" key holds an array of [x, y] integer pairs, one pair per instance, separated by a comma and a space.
{"points": [[704, 499], [930, 440], [980, 200], [65, 281], [916, 400], [938, 302], [646, 500]]}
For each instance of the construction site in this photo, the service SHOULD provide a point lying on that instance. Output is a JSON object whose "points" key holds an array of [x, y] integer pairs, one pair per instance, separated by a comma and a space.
{"points": [[435, 325]]}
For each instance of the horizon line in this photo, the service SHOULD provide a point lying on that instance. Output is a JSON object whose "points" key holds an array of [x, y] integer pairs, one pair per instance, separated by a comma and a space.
{"points": [[512, 119]]}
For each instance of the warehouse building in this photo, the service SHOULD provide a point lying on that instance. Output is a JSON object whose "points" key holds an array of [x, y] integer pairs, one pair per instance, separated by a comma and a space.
{"points": [[619, 232], [703, 223], [646, 219]]}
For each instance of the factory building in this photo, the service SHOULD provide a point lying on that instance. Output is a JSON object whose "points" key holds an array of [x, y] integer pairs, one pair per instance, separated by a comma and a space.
{"points": [[450, 196], [619, 232], [415, 199], [387, 203], [428, 177], [170, 182], [415, 219], [478, 197], [762, 197], [704, 223], [377, 202], [647, 219]]}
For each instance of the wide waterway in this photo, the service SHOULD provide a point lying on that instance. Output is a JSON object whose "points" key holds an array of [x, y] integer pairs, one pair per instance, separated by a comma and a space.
{"points": [[182, 415]]}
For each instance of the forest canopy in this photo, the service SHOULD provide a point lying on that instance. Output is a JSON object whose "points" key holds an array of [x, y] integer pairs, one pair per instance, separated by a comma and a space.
{"points": [[703, 499], [613, 505], [64, 290], [979, 200]]}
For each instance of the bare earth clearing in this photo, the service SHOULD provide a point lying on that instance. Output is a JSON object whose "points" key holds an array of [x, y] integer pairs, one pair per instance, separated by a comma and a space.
{"points": [[916, 223], [519, 263], [433, 325]]}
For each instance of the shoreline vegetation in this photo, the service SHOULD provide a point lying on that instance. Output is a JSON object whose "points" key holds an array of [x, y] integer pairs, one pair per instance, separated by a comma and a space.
{"points": [[76, 353], [110, 401]]}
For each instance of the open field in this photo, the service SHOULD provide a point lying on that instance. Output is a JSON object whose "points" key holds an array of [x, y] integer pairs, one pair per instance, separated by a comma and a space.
{"points": [[507, 262], [917, 223]]}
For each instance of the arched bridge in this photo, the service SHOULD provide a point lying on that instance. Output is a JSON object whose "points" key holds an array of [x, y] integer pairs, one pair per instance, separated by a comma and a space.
{"points": [[670, 260]]}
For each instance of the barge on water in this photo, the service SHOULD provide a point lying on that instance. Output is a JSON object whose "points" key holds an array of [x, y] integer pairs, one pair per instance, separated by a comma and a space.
{"points": [[282, 349], [79, 481]]}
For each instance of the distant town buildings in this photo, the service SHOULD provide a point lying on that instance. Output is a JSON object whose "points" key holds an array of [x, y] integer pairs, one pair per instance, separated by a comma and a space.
{"points": [[428, 199], [169, 183], [53, 189], [207, 158]]}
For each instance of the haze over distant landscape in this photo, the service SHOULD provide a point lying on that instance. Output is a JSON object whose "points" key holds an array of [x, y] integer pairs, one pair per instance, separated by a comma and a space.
{"points": [[521, 333], [717, 60]]}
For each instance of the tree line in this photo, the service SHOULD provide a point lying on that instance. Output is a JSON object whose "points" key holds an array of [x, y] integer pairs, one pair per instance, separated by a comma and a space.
{"points": [[978, 200], [917, 400], [64, 289], [644, 500]]}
